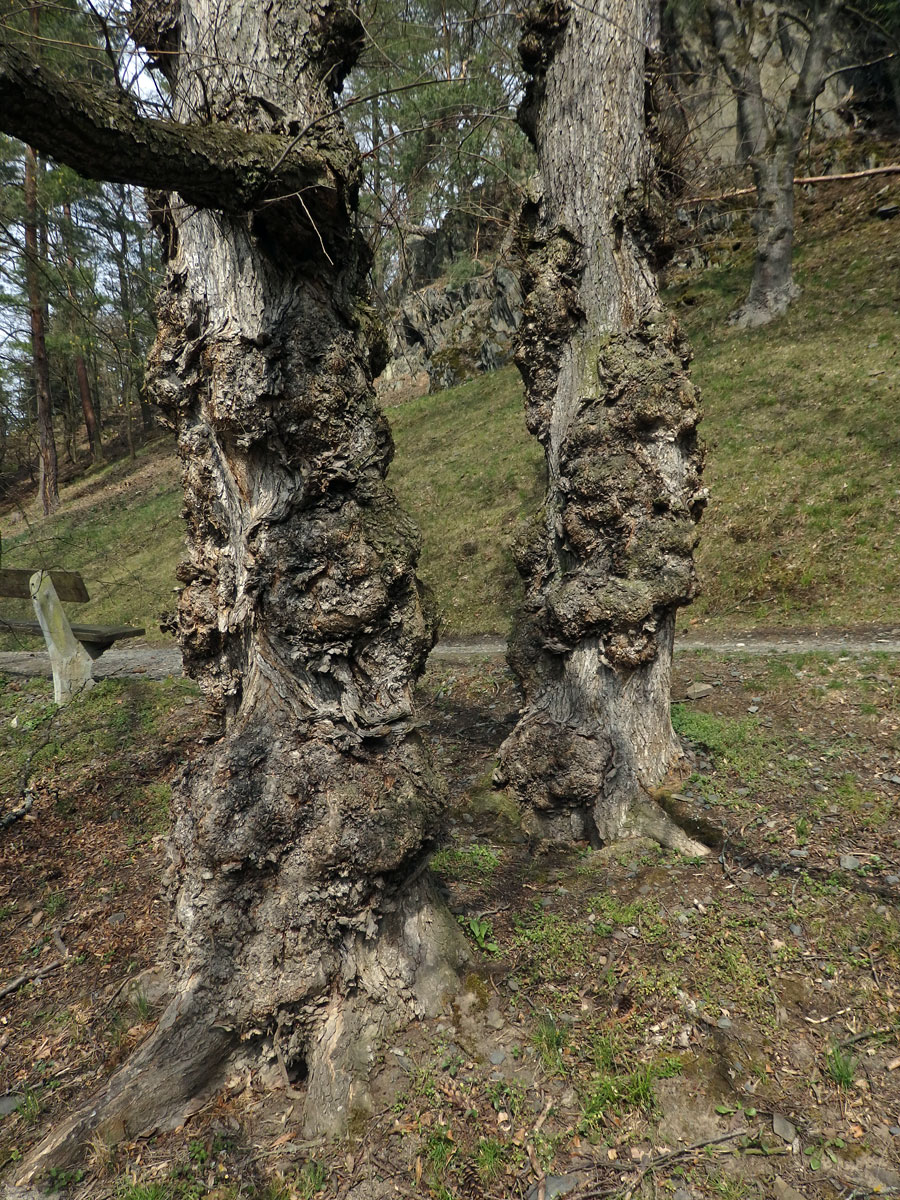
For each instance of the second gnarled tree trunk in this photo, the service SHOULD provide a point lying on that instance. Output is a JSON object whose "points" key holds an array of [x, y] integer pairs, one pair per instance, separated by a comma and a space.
{"points": [[610, 557]]}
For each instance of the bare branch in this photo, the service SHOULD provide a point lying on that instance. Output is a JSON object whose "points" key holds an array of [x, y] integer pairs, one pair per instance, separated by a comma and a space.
{"points": [[892, 169]]}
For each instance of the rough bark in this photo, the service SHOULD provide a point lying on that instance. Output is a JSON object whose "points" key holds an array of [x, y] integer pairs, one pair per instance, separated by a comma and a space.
{"points": [[49, 471], [609, 558], [305, 924], [772, 132]]}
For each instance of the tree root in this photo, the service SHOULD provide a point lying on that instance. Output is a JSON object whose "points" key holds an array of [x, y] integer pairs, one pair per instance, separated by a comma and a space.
{"points": [[639, 817], [404, 971], [161, 1084], [645, 818]]}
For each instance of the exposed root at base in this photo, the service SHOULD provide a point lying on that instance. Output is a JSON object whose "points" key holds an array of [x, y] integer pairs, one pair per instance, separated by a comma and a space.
{"points": [[641, 816], [167, 1078], [406, 970], [645, 818]]}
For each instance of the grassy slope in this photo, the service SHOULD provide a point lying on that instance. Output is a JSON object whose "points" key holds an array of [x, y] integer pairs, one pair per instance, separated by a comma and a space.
{"points": [[120, 527], [468, 470], [801, 425]]}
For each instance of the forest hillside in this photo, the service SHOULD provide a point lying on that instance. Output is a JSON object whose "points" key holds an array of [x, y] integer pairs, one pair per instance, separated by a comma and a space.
{"points": [[799, 424]]}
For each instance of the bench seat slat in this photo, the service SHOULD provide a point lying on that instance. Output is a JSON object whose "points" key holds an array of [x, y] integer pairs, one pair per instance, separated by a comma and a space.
{"points": [[84, 633]]}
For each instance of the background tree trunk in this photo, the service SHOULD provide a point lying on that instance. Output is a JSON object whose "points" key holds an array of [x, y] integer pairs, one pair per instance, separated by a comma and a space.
{"points": [[609, 559], [773, 129], [772, 287], [133, 360], [49, 470], [81, 374], [306, 926]]}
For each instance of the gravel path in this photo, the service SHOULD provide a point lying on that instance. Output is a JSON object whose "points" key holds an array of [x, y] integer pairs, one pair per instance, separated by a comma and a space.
{"points": [[829, 642], [159, 664]]}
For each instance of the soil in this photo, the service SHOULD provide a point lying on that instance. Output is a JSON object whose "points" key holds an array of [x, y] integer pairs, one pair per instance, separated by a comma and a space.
{"points": [[634, 1022]]}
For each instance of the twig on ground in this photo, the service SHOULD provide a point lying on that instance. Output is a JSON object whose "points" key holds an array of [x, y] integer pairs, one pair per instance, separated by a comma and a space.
{"points": [[661, 1161], [28, 977], [867, 1033], [538, 1172]]}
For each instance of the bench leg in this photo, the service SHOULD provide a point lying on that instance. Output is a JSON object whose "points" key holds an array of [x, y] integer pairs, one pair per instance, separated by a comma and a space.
{"points": [[71, 663]]}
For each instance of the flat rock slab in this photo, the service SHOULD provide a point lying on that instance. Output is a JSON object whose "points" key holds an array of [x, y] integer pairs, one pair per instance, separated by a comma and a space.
{"points": [[554, 1186]]}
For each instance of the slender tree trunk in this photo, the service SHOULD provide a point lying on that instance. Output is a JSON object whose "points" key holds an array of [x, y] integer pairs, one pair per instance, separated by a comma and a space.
{"points": [[306, 926], [133, 387], [772, 288], [49, 470], [70, 422], [773, 129], [81, 373], [609, 558]]}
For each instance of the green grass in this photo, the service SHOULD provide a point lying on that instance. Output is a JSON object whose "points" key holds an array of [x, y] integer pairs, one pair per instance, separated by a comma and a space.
{"points": [[469, 863], [108, 729], [841, 1066], [550, 1039], [468, 471], [120, 527], [613, 1091], [736, 742]]}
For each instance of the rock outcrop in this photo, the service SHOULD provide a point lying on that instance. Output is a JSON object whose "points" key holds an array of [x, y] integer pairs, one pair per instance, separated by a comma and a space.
{"points": [[452, 333]]}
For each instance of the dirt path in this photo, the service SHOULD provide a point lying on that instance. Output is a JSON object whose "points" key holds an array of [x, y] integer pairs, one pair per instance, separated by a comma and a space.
{"points": [[161, 663], [831, 641]]}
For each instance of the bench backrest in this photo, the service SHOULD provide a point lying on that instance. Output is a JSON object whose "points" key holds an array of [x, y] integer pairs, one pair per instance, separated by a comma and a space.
{"points": [[69, 584]]}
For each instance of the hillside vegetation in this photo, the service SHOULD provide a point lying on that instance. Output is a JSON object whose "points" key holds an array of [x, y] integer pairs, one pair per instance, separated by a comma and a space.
{"points": [[800, 424]]}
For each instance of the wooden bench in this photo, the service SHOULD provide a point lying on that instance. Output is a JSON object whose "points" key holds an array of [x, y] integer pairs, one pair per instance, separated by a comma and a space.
{"points": [[72, 648]]}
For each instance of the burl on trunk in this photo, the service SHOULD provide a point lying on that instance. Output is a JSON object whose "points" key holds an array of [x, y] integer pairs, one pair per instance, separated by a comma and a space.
{"points": [[609, 558]]}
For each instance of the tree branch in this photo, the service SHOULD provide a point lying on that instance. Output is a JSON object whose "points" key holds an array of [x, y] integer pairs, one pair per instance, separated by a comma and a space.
{"points": [[892, 169], [812, 73], [98, 133]]}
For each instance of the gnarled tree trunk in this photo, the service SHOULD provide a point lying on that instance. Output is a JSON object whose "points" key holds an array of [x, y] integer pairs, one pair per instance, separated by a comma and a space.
{"points": [[610, 557], [305, 925]]}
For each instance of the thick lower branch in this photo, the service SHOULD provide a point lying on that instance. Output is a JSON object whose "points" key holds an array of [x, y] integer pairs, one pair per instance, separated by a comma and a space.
{"points": [[96, 131]]}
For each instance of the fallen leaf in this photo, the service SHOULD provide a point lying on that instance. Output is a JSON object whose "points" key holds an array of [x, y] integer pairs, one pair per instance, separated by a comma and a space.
{"points": [[783, 1128]]}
